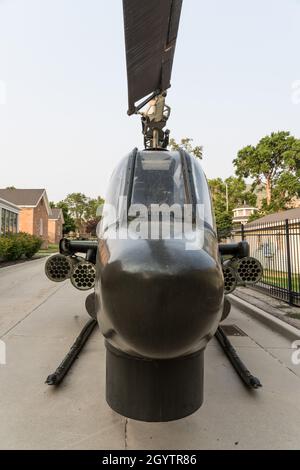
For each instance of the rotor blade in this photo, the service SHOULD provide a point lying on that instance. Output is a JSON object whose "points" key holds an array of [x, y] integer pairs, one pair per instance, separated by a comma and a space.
{"points": [[151, 28]]}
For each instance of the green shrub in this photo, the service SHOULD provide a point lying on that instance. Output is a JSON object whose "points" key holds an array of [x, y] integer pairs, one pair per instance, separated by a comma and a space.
{"points": [[32, 245], [14, 246], [11, 248]]}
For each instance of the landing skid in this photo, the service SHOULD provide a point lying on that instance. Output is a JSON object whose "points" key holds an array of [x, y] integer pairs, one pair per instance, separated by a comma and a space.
{"points": [[246, 376], [58, 376]]}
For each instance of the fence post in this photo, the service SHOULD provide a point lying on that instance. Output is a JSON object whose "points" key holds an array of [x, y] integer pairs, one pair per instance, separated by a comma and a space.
{"points": [[289, 267], [243, 232]]}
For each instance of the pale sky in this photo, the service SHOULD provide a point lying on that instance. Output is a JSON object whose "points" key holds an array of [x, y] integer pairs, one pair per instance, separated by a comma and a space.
{"points": [[63, 89]]}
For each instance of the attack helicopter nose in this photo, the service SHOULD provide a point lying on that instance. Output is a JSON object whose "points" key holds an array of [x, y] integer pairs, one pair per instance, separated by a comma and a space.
{"points": [[159, 300]]}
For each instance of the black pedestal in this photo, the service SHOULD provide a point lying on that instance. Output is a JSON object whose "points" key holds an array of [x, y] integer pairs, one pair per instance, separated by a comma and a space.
{"points": [[153, 390]]}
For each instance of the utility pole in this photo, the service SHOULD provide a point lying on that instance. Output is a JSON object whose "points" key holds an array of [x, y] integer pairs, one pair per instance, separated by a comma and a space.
{"points": [[227, 198]]}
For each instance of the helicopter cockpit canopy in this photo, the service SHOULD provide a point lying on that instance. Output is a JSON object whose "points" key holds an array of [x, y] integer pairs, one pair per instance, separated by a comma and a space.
{"points": [[157, 178]]}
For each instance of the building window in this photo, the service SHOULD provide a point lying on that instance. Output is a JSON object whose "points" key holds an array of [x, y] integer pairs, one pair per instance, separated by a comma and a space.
{"points": [[15, 223], [9, 221], [3, 221], [41, 228]]}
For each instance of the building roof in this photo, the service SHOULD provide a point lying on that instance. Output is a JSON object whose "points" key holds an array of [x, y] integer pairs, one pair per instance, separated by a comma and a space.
{"points": [[22, 197], [245, 206], [290, 214], [25, 197], [9, 205], [56, 214]]}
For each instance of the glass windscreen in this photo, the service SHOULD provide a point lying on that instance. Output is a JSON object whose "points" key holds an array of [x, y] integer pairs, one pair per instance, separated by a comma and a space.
{"points": [[113, 198], [158, 179], [202, 192], [117, 183]]}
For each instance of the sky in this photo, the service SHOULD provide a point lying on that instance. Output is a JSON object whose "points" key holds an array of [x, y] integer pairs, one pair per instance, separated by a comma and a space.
{"points": [[63, 88]]}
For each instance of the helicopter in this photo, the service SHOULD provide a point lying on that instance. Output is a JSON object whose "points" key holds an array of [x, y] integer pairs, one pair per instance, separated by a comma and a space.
{"points": [[159, 275]]}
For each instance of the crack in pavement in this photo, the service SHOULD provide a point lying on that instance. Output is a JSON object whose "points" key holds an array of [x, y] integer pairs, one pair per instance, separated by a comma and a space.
{"points": [[126, 433]]}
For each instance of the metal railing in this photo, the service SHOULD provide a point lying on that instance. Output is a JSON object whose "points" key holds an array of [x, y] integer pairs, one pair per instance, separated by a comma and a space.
{"points": [[277, 246]]}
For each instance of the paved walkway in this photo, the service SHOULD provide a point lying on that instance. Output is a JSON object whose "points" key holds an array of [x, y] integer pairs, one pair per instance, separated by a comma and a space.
{"points": [[38, 322], [279, 309]]}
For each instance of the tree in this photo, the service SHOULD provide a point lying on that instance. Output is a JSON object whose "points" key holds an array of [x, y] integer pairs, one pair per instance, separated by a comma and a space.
{"points": [[69, 222], [237, 195], [269, 163], [92, 208], [77, 206], [224, 224], [287, 187], [186, 144], [79, 210], [92, 216], [236, 190]]}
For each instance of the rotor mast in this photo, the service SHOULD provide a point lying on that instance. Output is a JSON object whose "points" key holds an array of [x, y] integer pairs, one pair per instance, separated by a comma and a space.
{"points": [[150, 37], [154, 119]]}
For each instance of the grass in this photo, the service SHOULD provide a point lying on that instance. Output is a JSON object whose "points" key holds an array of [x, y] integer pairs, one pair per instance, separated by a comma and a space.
{"points": [[52, 248], [280, 279], [295, 316]]}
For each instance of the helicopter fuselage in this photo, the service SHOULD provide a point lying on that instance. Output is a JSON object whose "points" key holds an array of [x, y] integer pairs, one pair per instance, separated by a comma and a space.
{"points": [[159, 299]]}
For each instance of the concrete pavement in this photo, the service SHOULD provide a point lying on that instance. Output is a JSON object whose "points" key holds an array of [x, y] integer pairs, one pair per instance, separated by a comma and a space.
{"points": [[39, 321], [23, 287]]}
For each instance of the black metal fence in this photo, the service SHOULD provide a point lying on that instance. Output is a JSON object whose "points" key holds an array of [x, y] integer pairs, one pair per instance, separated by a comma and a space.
{"points": [[277, 246]]}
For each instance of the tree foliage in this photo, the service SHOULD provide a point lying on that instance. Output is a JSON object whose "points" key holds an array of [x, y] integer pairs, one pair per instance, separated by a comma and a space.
{"points": [[273, 163], [80, 212], [186, 144], [235, 188], [77, 204], [92, 207], [70, 224]]}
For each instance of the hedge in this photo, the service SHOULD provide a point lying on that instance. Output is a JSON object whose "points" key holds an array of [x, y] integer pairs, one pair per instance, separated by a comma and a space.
{"points": [[14, 246]]}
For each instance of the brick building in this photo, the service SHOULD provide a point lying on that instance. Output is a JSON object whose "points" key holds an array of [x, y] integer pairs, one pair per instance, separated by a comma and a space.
{"points": [[34, 210], [55, 226]]}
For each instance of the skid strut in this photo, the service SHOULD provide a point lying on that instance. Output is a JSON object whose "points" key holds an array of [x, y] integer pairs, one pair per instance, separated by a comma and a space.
{"points": [[57, 377], [241, 369]]}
